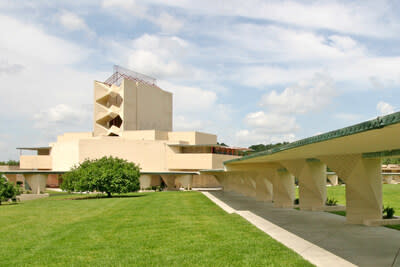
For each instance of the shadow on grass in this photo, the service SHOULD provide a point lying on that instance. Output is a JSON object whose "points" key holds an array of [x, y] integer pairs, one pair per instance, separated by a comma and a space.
{"points": [[102, 196], [6, 204]]}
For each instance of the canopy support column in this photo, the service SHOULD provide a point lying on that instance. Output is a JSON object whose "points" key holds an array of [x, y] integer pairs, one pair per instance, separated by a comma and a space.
{"points": [[283, 186], [37, 182], [363, 186], [312, 182]]}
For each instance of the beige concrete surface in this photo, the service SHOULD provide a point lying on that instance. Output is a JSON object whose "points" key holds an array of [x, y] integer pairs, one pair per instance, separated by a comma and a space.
{"points": [[358, 244], [35, 162]]}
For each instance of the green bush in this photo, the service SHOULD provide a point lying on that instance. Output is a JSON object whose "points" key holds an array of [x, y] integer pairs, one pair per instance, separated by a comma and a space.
{"points": [[331, 201], [388, 212], [7, 190], [108, 174]]}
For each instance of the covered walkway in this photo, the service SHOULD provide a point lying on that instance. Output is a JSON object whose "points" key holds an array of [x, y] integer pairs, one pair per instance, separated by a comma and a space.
{"points": [[354, 153], [358, 244]]}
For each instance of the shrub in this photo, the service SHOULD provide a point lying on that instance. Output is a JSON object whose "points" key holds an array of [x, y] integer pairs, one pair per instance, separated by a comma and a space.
{"points": [[331, 201], [108, 174], [7, 190], [388, 212]]}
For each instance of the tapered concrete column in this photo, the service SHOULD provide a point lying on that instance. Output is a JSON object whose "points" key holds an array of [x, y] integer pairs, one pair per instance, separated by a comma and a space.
{"points": [[145, 181], [264, 188], [185, 181], [249, 184], [363, 186], [169, 180], [223, 180], [312, 182], [283, 186], [37, 182], [244, 183], [333, 179]]}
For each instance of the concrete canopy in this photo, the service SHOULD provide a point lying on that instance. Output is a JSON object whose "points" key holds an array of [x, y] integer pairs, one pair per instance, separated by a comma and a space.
{"points": [[353, 153], [374, 139]]}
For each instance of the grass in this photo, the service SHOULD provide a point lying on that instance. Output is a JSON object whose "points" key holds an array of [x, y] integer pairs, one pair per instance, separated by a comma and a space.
{"points": [[391, 197], [153, 229]]}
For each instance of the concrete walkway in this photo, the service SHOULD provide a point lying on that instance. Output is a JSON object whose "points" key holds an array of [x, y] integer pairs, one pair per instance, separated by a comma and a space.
{"points": [[360, 245]]}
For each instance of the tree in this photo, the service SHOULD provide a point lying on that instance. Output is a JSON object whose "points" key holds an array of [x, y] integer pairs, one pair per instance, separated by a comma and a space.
{"points": [[262, 147], [108, 174], [7, 190]]}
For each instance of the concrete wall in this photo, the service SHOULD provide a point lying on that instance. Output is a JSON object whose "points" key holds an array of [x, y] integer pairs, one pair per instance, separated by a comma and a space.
{"points": [[193, 138], [145, 135], [154, 108], [65, 154], [35, 162], [150, 155], [192, 161]]}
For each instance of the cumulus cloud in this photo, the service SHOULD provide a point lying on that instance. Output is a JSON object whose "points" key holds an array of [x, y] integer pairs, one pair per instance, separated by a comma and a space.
{"points": [[384, 108], [61, 114], [72, 22], [7, 68], [182, 123], [188, 99], [271, 122], [157, 56], [168, 23], [303, 97], [255, 136], [24, 42], [375, 19], [164, 20]]}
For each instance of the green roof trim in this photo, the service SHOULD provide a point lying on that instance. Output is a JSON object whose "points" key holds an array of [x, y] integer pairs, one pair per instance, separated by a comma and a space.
{"points": [[382, 154], [373, 124]]}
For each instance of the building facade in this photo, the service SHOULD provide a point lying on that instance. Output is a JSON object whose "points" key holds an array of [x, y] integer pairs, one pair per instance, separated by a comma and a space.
{"points": [[132, 120]]}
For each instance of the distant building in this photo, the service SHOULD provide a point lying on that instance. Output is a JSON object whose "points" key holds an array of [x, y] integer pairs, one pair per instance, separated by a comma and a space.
{"points": [[133, 120]]}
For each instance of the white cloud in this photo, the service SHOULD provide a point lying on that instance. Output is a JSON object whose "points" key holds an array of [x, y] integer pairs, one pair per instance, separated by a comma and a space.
{"points": [[384, 108], [189, 99], [61, 114], [250, 137], [182, 123], [369, 18], [168, 23], [164, 20], [156, 56], [7, 68], [22, 43], [303, 97], [72, 22], [271, 122]]}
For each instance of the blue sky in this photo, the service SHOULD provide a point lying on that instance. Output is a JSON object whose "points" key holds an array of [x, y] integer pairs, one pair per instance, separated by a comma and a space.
{"points": [[251, 72]]}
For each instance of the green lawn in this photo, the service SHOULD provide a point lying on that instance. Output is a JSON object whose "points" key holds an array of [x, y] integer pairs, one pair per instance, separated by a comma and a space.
{"points": [[153, 229], [391, 197]]}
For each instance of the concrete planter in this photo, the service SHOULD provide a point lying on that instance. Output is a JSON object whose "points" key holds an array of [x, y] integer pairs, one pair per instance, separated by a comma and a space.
{"points": [[335, 208], [379, 222]]}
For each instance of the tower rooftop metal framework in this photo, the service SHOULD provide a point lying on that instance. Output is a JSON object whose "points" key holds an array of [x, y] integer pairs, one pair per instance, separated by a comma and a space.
{"points": [[120, 73]]}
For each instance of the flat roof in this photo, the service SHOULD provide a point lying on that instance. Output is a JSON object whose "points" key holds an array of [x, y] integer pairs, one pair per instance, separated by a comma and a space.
{"points": [[31, 172], [34, 148], [209, 145], [171, 173], [62, 172], [374, 138]]}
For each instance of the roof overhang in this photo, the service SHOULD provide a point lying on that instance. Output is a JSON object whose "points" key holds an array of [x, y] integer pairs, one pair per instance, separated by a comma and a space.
{"points": [[373, 139]]}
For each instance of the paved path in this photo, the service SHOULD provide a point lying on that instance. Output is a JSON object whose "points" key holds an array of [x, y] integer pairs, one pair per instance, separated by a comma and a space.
{"points": [[360, 245]]}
